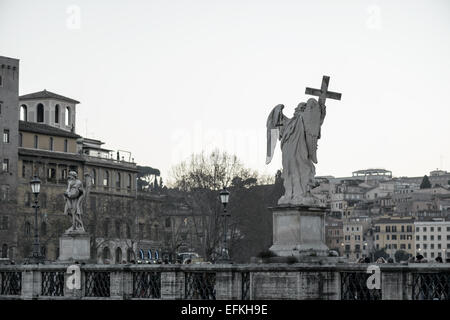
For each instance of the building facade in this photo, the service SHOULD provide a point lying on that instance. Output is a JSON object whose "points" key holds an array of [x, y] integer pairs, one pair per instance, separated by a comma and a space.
{"points": [[432, 238], [393, 234]]}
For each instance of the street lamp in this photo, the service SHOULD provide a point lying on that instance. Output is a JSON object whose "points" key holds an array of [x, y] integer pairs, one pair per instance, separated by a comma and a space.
{"points": [[224, 195], [36, 188]]}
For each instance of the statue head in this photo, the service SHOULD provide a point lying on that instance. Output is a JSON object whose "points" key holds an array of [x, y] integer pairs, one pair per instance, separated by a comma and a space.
{"points": [[300, 108], [72, 175]]}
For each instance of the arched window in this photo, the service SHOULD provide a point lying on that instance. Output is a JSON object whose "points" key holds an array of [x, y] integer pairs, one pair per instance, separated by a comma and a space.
{"points": [[106, 179], [106, 254], [130, 254], [118, 180], [118, 255], [40, 113], [4, 250], [57, 113], [67, 117], [23, 112]]}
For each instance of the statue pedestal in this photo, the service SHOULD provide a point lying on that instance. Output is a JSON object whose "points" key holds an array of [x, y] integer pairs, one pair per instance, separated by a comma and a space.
{"points": [[74, 246], [299, 231]]}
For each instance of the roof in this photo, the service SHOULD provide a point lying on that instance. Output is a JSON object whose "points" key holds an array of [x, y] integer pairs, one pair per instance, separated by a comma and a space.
{"points": [[371, 171], [46, 95], [393, 221], [45, 129], [50, 154]]}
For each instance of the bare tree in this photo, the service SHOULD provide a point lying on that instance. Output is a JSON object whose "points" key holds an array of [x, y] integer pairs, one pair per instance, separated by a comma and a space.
{"points": [[200, 180]]}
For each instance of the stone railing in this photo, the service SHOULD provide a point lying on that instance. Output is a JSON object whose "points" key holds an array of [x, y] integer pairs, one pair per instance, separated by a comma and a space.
{"points": [[230, 282]]}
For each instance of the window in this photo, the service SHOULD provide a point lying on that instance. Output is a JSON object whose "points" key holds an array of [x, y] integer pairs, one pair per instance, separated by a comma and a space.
{"points": [[27, 228], [36, 142], [106, 228], [106, 179], [394, 237], [118, 229], [431, 238], [424, 229], [43, 229], [417, 229], [388, 228], [67, 117], [64, 174], [432, 229], [4, 250], [6, 136], [408, 228], [57, 113], [50, 143], [1, 81], [20, 139], [23, 113], [40, 113], [129, 182], [94, 177], [394, 228], [118, 178], [106, 254], [424, 238], [5, 165], [4, 223], [128, 231], [65, 145], [168, 222], [51, 173]]}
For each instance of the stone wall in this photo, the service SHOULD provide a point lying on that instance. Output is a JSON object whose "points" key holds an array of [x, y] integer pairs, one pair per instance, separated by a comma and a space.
{"points": [[227, 282]]}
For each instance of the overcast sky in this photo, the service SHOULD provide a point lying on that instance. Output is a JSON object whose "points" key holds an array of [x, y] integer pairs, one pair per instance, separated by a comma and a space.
{"points": [[164, 79]]}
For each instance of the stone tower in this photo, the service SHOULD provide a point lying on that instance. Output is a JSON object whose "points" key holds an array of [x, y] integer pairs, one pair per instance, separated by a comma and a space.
{"points": [[9, 129]]}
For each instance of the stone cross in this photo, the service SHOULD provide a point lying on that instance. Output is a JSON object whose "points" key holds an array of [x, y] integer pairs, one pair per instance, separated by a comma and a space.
{"points": [[322, 93]]}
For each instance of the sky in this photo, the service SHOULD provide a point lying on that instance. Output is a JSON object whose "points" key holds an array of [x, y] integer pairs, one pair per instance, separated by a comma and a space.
{"points": [[165, 79]]}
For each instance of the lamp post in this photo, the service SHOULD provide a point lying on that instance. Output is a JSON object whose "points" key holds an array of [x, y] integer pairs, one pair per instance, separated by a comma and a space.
{"points": [[224, 195], [36, 188]]}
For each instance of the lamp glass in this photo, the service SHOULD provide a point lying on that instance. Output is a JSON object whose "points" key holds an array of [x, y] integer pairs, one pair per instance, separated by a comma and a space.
{"points": [[224, 195], [35, 185]]}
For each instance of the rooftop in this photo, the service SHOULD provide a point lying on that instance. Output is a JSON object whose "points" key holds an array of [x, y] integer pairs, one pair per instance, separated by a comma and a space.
{"points": [[46, 95], [45, 129]]}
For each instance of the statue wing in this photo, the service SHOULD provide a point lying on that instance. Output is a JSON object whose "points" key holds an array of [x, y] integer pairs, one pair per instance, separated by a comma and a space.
{"points": [[275, 119], [312, 120]]}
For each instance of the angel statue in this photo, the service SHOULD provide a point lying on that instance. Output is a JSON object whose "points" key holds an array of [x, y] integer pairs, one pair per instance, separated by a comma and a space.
{"points": [[298, 136], [75, 196]]}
